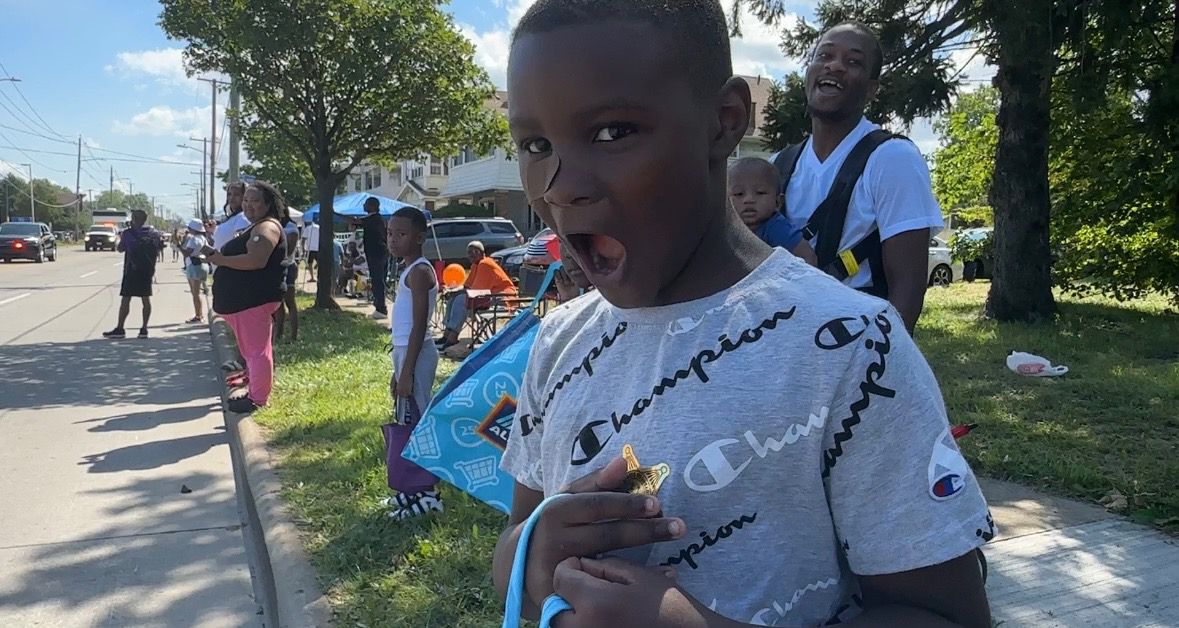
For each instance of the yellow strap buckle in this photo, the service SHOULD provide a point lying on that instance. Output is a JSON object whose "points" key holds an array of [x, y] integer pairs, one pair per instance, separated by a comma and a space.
{"points": [[849, 263]]}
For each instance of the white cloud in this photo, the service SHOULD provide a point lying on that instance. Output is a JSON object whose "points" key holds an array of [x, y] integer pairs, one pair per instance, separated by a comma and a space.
{"points": [[491, 52], [162, 120], [165, 65], [755, 53]]}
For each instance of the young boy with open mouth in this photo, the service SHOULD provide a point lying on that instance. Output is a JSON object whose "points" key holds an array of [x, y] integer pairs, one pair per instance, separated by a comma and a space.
{"points": [[744, 440]]}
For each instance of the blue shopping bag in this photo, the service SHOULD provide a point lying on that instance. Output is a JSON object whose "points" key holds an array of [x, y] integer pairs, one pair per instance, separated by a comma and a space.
{"points": [[463, 433]]}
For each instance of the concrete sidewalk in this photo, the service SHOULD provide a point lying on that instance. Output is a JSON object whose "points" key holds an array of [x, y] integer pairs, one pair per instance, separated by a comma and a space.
{"points": [[1058, 562], [119, 505]]}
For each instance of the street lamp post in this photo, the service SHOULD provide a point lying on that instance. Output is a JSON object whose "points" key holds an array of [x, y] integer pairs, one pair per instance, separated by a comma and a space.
{"points": [[204, 142]]}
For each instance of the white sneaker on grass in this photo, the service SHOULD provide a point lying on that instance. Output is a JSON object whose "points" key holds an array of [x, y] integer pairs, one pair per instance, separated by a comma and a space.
{"points": [[378, 316], [416, 505]]}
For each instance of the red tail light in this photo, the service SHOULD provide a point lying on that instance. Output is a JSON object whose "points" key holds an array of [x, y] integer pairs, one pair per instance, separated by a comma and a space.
{"points": [[18, 245]]}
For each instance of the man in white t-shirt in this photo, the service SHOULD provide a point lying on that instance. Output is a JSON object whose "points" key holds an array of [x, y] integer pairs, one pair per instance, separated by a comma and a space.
{"points": [[311, 245], [894, 194]]}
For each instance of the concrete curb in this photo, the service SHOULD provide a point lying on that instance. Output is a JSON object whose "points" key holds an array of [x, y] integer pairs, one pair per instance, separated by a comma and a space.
{"points": [[293, 598]]}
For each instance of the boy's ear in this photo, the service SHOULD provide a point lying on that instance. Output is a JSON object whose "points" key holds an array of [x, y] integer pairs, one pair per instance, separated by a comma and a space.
{"points": [[732, 112]]}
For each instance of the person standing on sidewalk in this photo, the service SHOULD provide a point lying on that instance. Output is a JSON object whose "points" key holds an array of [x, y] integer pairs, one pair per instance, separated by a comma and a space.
{"points": [[140, 246], [377, 253], [311, 245], [194, 267], [290, 266], [236, 220], [247, 288]]}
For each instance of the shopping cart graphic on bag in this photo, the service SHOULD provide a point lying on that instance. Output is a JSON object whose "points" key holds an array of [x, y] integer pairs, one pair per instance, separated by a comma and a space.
{"points": [[424, 442], [479, 473], [464, 395]]}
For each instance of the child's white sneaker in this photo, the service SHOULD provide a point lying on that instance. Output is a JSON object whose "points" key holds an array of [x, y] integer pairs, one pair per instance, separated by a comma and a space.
{"points": [[415, 505]]}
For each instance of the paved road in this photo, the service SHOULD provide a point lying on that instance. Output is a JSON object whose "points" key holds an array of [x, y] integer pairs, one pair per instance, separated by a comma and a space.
{"points": [[97, 439]]}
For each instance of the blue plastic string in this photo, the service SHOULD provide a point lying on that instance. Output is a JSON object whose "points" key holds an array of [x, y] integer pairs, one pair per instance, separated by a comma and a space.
{"points": [[553, 604]]}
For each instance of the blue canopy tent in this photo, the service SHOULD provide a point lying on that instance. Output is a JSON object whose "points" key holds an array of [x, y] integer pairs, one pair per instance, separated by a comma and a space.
{"points": [[352, 206]]}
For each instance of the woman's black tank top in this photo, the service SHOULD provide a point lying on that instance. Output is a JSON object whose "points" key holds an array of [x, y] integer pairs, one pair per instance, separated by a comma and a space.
{"points": [[239, 290]]}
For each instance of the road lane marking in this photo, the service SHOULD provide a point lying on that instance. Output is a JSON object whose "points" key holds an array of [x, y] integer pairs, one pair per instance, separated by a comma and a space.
{"points": [[16, 298], [93, 272]]}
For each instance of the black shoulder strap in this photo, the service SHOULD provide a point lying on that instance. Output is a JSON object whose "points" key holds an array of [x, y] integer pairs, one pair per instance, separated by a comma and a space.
{"points": [[828, 220], [786, 161]]}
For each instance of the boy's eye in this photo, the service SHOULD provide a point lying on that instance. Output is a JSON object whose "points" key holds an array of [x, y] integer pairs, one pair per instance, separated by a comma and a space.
{"points": [[614, 132], [853, 62], [536, 146]]}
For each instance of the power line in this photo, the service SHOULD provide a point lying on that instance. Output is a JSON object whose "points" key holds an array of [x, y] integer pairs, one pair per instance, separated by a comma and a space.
{"points": [[41, 203], [34, 150], [30, 157], [30, 105], [136, 161], [21, 118], [40, 135]]}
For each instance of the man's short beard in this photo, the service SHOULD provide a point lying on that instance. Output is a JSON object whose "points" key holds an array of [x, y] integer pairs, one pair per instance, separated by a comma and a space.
{"points": [[829, 116]]}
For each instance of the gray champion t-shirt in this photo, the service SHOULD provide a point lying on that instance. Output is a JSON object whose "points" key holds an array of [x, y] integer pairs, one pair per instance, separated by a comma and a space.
{"points": [[804, 437]]}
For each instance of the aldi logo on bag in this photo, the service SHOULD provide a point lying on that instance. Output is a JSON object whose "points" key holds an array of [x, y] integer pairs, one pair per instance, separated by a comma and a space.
{"points": [[496, 427]]}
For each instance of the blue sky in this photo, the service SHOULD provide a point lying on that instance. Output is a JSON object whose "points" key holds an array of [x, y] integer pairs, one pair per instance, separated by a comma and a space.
{"points": [[104, 70]]}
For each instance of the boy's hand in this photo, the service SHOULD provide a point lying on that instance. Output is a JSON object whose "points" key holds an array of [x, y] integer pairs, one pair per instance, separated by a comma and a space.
{"points": [[593, 520], [566, 289], [620, 594], [404, 384]]}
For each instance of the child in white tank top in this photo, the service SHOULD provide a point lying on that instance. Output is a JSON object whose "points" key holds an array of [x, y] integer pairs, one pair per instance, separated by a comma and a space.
{"points": [[415, 359]]}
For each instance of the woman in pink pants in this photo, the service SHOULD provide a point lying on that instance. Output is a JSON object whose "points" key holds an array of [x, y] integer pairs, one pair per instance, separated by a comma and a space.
{"points": [[247, 289]]}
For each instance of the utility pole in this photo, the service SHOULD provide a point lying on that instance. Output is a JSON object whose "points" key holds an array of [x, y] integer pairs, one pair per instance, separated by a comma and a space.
{"points": [[32, 201], [205, 147], [78, 191], [112, 191], [213, 145], [235, 140]]}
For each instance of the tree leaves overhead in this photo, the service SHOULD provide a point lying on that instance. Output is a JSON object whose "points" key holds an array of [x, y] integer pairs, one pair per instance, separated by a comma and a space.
{"points": [[918, 78], [349, 78], [336, 82], [964, 165]]}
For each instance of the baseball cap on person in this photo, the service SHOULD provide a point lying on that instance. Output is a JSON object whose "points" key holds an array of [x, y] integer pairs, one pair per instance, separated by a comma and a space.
{"points": [[195, 225], [475, 244]]}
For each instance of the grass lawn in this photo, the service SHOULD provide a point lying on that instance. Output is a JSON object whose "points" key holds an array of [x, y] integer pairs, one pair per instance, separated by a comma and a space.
{"points": [[1111, 425]]}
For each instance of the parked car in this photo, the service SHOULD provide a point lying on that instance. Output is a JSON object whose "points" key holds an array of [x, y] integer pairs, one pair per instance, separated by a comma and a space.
{"points": [[538, 253], [510, 260], [942, 268], [101, 237], [451, 236], [27, 240]]}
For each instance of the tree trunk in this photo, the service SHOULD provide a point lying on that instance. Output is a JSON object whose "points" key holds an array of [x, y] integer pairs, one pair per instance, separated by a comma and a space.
{"points": [[325, 186], [1021, 287]]}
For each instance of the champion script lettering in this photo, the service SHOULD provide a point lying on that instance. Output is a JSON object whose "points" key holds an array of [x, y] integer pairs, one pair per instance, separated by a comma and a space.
{"points": [[588, 442], [528, 422], [869, 388], [688, 554]]}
